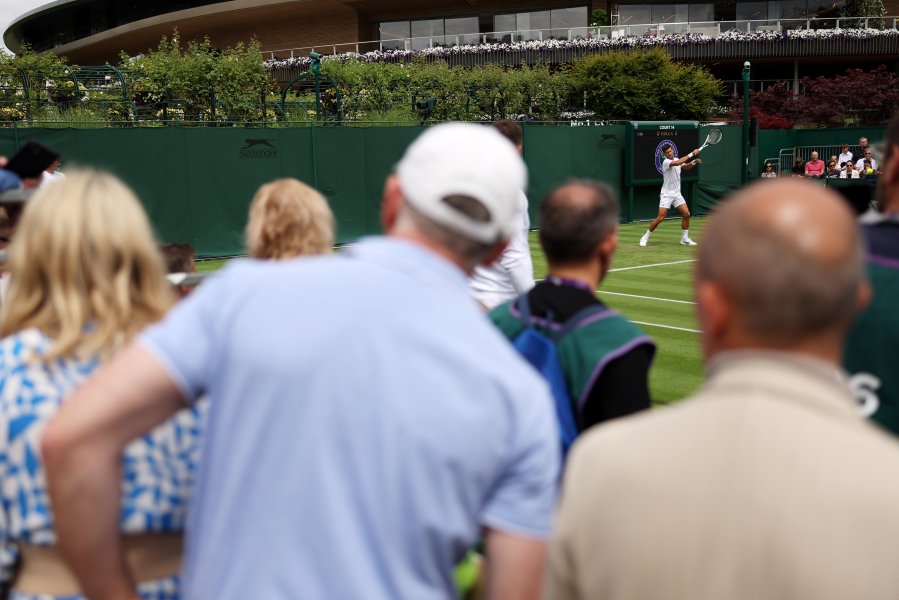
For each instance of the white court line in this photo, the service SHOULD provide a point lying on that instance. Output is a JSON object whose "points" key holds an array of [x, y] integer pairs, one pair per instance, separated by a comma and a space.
{"points": [[646, 297], [667, 327], [677, 262]]}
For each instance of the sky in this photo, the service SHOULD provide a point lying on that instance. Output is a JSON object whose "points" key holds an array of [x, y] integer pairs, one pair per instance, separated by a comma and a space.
{"points": [[11, 9]]}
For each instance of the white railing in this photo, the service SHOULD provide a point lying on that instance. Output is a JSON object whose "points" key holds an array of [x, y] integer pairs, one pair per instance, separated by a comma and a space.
{"points": [[708, 28]]}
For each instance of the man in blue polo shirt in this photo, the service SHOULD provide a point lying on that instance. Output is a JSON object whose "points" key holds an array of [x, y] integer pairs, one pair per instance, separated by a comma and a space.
{"points": [[368, 424]]}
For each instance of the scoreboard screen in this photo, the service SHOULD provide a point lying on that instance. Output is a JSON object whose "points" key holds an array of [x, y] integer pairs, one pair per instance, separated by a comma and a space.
{"points": [[647, 141]]}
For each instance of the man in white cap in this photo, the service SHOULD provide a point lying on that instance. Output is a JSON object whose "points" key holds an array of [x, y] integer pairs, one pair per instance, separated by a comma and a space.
{"points": [[360, 443]]}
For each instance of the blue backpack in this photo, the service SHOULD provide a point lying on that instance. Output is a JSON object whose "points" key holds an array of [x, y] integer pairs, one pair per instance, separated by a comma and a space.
{"points": [[539, 349]]}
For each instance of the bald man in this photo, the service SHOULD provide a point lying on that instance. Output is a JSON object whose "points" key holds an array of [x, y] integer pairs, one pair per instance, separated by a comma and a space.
{"points": [[871, 353], [767, 483]]}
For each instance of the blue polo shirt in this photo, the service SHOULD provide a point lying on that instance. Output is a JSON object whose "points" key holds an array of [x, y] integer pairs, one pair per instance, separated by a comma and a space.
{"points": [[9, 180], [366, 422]]}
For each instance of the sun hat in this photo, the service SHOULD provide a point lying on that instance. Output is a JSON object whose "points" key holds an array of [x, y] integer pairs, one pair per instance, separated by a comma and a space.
{"points": [[464, 159]]}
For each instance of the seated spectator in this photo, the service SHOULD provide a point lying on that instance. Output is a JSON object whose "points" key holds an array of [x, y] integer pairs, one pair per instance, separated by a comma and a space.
{"points": [[833, 159], [815, 167], [86, 278], [52, 173], [833, 172], [768, 171], [868, 155], [180, 258], [868, 169], [845, 155], [288, 219], [798, 169], [852, 171]]}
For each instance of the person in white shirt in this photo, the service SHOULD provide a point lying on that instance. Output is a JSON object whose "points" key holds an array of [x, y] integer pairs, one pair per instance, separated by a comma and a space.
{"points": [[845, 156], [867, 155], [52, 173], [671, 195], [512, 274]]}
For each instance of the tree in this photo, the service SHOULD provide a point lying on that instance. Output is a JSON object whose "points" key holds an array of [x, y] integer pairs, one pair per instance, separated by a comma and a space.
{"points": [[643, 85], [599, 17], [856, 97], [46, 75], [864, 8], [206, 84]]}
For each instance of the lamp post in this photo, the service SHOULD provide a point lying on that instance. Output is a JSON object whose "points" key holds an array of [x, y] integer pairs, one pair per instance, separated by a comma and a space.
{"points": [[317, 75], [744, 176]]}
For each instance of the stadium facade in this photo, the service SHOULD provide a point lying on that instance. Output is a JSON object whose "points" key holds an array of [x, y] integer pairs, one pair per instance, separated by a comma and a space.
{"points": [[95, 31]]}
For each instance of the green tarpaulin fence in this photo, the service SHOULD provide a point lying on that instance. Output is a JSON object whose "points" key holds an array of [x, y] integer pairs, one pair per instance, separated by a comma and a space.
{"points": [[197, 183]]}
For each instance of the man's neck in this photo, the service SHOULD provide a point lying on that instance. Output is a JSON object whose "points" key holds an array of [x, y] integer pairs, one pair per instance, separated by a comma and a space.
{"points": [[586, 274], [826, 346], [439, 250]]}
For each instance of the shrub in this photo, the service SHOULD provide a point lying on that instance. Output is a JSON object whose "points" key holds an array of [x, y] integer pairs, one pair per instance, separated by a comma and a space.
{"points": [[643, 85]]}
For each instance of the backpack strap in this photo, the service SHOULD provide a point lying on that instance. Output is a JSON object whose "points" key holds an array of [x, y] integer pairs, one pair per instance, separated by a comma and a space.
{"points": [[584, 317], [540, 350], [527, 319]]}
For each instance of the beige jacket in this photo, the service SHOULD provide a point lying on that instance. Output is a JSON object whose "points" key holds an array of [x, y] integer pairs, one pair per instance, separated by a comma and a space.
{"points": [[766, 485]]}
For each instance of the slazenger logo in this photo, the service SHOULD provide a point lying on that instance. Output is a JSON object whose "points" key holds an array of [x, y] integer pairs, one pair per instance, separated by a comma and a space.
{"points": [[609, 140], [258, 148]]}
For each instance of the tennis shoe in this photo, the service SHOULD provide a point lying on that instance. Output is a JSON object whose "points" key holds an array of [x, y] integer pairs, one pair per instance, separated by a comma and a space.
{"points": [[644, 240], [687, 242]]}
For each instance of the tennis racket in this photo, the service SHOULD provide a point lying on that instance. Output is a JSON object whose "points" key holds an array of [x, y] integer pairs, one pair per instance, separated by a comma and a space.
{"points": [[712, 138]]}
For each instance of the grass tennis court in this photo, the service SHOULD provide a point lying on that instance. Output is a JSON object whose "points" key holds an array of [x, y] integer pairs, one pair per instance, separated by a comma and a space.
{"points": [[652, 286]]}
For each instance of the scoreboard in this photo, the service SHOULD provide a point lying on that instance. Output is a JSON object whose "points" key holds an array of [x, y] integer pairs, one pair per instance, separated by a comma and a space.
{"points": [[643, 149]]}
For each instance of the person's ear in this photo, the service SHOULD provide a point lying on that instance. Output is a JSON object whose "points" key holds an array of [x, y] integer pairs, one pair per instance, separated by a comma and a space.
{"points": [[889, 169], [391, 202], [715, 314], [606, 250], [863, 297]]}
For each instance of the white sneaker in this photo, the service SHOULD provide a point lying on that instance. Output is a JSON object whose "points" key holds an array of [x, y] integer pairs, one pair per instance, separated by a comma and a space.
{"points": [[644, 240], [686, 242]]}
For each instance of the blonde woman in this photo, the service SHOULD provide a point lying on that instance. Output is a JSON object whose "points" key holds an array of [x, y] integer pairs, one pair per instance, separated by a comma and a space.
{"points": [[85, 277], [287, 219]]}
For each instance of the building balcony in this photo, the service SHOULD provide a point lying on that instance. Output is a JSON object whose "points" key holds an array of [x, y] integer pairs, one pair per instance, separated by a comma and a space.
{"points": [[698, 41]]}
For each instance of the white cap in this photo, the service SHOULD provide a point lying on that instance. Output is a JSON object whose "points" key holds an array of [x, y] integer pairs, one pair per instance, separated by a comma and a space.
{"points": [[463, 159]]}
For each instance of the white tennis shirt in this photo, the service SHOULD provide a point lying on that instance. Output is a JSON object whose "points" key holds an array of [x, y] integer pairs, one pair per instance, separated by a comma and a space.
{"points": [[670, 178]]}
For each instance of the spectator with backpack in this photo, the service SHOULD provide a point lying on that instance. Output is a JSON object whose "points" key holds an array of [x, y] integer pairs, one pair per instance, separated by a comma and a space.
{"points": [[604, 358], [766, 483]]}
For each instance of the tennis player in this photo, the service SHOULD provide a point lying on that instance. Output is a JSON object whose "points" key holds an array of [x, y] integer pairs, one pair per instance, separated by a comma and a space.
{"points": [[671, 195]]}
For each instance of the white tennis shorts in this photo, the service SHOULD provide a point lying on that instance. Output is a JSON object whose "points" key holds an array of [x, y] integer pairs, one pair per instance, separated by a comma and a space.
{"points": [[669, 201]]}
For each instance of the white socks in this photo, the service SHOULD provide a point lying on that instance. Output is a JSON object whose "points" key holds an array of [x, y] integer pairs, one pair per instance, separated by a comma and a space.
{"points": [[685, 234]]}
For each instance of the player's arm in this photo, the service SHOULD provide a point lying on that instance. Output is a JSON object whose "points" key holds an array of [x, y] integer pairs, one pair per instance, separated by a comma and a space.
{"points": [[684, 160], [82, 449], [689, 165]]}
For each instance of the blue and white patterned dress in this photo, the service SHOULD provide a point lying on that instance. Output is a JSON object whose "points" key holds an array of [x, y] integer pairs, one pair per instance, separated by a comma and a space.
{"points": [[158, 469]]}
